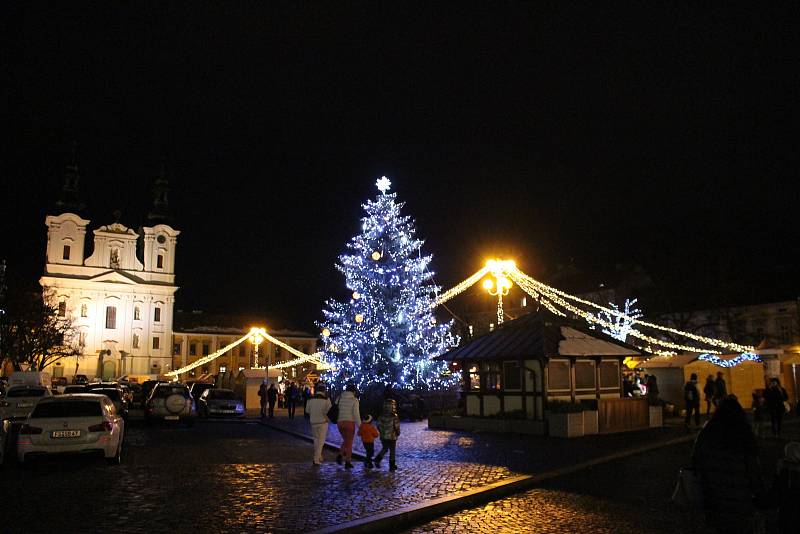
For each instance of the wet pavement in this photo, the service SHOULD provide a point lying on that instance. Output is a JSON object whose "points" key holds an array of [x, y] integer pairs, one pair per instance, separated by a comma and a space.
{"points": [[217, 476]]}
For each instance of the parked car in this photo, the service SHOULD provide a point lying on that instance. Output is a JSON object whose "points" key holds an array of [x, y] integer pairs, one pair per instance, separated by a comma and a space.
{"points": [[19, 401], [74, 388], [197, 390], [80, 379], [219, 402], [147, 388], [117, 396], [80, 423], [170, 401]]}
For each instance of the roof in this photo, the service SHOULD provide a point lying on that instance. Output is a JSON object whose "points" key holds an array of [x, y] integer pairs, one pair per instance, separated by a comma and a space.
{"points": [[661, 362], [541, 335]]}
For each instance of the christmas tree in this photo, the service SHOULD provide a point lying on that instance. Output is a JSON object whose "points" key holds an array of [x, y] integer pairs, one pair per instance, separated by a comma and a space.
{"points": [[387, 331]]}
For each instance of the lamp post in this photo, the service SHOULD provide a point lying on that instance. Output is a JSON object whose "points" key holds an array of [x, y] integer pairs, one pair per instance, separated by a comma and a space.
{"points": [[500, 285]]}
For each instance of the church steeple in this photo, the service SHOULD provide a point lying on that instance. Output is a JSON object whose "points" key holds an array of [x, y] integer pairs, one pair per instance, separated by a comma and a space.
{"points": [[69, 200], [159, 212]]}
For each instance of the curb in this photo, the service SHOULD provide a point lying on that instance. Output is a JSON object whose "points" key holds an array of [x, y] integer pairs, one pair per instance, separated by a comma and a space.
{"points": [[415, 514], [328, 444]]}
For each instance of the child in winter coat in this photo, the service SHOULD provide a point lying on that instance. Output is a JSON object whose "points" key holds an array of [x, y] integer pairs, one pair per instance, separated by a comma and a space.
{"points": [[367, 432], [389, 424]]}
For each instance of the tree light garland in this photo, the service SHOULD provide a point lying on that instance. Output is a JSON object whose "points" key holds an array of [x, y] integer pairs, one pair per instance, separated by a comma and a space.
{"points": [[721, 362]]}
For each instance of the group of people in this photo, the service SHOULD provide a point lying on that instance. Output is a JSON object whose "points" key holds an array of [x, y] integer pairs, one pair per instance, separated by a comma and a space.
{"points": [[771, 401], [350, 423], [734, 494], [640, 386], [288, 397]]}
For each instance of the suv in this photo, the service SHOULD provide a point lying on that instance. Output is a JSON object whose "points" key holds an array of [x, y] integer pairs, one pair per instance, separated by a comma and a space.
{"points": [[170, 401], [19, 401], [147, 388]]}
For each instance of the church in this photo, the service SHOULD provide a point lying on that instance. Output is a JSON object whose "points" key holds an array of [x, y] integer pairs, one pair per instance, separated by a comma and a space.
{"points": [[121, 294]]}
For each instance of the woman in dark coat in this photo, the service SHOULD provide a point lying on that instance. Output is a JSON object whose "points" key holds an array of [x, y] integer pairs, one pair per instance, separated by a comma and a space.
{"points": [[774, 397], [726, 459]]}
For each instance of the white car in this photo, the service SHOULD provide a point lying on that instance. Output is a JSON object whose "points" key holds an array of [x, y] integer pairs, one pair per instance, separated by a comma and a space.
{"points": [[170, 402], [19, 401], [80, 423]]}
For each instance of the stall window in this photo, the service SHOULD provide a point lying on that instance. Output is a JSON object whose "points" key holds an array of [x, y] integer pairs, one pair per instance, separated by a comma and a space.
{"points": [[609, 374], [584, 375], [558, 375], [511, 376], [474, 378], [491, 376]]}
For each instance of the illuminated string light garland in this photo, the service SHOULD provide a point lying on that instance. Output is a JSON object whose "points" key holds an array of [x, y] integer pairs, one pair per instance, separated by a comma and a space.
{"points": [[205, 359], [460, 288], [545, 289], [721, 362]]}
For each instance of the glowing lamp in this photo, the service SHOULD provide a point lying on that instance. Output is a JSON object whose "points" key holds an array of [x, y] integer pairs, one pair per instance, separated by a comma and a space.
{"points": [[488, 284]]}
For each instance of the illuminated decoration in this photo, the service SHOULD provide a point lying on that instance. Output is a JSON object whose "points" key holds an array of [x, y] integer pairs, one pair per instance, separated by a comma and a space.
{"points": [[257, 339], [721, 362], [622, 323], [384, 184], [356, 295], [387, 334], [326, 332], [500, 286]]}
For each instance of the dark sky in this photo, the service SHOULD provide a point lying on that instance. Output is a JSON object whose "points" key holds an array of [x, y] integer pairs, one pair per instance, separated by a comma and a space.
{"points": [[657, 135]]}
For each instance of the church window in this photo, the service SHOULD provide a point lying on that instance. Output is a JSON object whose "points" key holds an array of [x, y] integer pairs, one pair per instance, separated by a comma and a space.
{"points": [[84, 310], [135, 341], [65, 254], [111, 317], [62, 309], [156, 342], [157, 314], [137, 313], [82, 339], [160, 261]]}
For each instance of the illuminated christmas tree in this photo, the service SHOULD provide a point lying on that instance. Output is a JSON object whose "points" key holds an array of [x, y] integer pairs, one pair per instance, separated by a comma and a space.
{"points": [[386, 332]]}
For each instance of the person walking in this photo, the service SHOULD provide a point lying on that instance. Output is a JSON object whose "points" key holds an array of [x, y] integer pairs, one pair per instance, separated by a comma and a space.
{"points": [[262, 393], [692, 398], [708, 391], [759, 413], [291, 399], [389, 424], [725, 457], [349, 416], [306, 396], [774, 398], [272, 398], [317, 408], [720, 389], [367, 432]]}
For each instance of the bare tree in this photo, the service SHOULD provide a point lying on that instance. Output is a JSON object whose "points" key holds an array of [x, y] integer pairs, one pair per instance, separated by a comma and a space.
{"points": [[35, 331]]}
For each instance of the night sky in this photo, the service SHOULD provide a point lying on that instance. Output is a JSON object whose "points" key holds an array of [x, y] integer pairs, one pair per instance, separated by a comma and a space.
{"points": [[661, 136]]}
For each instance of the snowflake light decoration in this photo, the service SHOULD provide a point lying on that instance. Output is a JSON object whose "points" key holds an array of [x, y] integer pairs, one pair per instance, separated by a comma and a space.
{"points": [[384, 184]]}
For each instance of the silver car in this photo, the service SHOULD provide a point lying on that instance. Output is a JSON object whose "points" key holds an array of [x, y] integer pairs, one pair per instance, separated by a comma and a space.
{"points": [[19, 401], [170, 402], [219, 402], [73, 424]]}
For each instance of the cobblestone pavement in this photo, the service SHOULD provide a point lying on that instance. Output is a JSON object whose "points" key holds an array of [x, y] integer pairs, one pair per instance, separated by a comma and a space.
{"points": [[518, 453], [630, 495], [217, 476]]}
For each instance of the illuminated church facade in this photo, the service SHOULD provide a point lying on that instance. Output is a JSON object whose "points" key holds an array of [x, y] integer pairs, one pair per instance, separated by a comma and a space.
{"points": [[121, 295]]}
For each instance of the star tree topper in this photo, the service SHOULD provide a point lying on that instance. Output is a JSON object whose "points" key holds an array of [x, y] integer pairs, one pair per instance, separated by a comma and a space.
{"points": [[384, 184]]}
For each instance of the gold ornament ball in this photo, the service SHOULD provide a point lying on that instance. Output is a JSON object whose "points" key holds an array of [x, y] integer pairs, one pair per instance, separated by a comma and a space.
{"points": [[376, 255], [359, 318], [326, 332], [356, 295]]}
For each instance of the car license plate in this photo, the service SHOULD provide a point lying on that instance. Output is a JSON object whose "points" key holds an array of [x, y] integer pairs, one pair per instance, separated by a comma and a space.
{"points": [[228, 411], [24, 404], [171, 417], [65, 433]]}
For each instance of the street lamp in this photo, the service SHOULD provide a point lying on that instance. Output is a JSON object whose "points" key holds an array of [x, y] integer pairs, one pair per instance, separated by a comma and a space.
{"points": [[257, 339], [500, 285]]}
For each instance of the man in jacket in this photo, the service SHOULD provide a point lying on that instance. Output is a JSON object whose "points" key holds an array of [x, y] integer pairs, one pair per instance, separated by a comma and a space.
{"points": [[317, 408], [272, 398], [262, 393], [774, 397], [692, 398], [291, 399], [720, 389]]}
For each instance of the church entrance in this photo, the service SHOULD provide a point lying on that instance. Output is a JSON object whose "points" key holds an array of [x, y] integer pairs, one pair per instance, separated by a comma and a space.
{"points": [[109, 370]]}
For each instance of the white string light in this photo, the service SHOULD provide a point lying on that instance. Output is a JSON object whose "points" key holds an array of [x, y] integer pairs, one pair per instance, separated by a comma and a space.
{"points": [[213, 356], [721, 362], [460, 288]]}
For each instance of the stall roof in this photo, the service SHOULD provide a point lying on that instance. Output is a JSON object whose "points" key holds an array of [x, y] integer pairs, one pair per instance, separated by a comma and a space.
{"points": [[539, 334], [660, 362]]}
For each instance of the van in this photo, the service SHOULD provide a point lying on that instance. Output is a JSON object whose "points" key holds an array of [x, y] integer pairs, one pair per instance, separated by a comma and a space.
{"points": [[30, 378]]}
